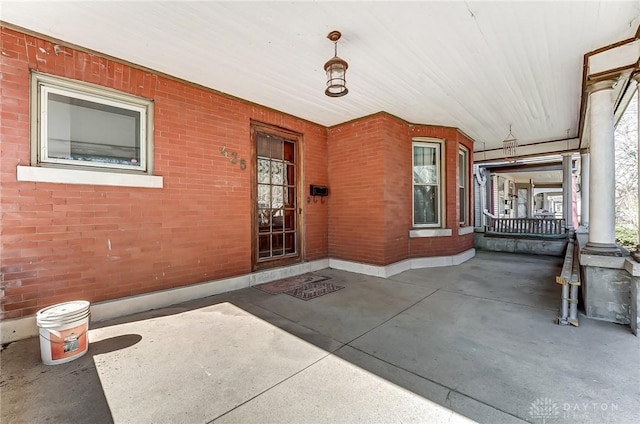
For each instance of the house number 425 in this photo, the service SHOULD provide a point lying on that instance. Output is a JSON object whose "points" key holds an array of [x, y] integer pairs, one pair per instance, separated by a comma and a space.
{"points": [[233, 157]]}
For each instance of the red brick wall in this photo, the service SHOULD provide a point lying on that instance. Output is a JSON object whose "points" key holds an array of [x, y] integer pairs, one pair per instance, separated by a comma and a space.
{"points": [[356, 193], [397, 189], [371, 191], [61, 242]]}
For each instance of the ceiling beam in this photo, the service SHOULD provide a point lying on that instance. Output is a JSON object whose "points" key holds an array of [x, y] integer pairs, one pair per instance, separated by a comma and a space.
{"points": [[527, 167], [530, 150]]}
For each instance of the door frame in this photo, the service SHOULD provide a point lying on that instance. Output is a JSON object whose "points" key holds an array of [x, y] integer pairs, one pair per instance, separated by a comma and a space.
{"points": [[256, 127]]}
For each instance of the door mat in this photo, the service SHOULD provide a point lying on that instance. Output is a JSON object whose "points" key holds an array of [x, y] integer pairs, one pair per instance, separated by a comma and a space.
{"points": [[310, 291], [281, 286]]}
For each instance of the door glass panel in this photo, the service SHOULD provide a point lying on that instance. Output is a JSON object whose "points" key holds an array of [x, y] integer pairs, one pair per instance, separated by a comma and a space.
{"points": [[291, 175], [263, 145], [277, 221], [289, 152], [277, 173], [289, 200], [276, 147], [289, 243], [289, 219], [264, 246], [277, 245], [264, 171], [277, 196], [264, 220], [264, 198]]}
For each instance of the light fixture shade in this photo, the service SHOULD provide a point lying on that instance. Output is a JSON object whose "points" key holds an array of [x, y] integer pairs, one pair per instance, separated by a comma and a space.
{"points": [[336, 70]]}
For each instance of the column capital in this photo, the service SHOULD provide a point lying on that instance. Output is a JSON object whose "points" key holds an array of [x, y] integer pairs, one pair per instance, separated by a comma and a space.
{"points": [[636, 76], [600, 85]]}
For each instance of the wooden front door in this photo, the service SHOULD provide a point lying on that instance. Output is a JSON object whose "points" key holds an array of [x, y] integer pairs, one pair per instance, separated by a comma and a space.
{"points": [[276, 177]]}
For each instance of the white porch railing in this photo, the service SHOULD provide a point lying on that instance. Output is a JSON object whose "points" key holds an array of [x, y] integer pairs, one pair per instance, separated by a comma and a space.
{"points": [[526, 226]]}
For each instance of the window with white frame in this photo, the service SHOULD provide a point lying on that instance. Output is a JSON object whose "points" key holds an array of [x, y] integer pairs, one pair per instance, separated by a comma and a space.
{"points": [[427, 184], [463, 184], [76, 124]]}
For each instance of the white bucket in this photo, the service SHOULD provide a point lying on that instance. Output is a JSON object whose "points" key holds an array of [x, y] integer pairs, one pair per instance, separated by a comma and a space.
{"points": [[63, 331]]}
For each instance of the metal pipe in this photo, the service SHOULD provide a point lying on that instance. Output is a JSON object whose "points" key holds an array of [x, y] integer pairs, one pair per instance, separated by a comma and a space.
{"points": [[573, 303], [564, 309], [574, 281]]}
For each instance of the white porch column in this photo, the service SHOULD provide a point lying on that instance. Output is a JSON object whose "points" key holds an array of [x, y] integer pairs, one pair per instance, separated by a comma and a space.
{"points": [[567, 191], [602, 236], [584, 192]]}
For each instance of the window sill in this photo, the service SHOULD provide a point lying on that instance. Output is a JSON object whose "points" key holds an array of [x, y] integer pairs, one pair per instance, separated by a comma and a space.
{"points": [[465, 230], [78, 176], [430, 232]]}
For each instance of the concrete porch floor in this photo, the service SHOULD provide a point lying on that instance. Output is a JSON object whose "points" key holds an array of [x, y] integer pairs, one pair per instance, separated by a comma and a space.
{"points": [[471, 342]]}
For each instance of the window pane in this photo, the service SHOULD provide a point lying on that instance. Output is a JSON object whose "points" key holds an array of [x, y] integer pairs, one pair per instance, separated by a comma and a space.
{"points": [[263, 145], [277, 173], [289, 243], [264, 220], [291, 175], [277, 244], [87, 131], [264, 196], [277, 197], [289, 151], [278, 221], [425, 205], [263, 171], [289, 219], [264, 246], [462, 186], [276, 147], [425, 167], [462, 168], [463, 204]]}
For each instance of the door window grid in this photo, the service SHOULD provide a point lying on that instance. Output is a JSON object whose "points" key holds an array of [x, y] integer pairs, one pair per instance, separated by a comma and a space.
{"points": [[276, 197]]}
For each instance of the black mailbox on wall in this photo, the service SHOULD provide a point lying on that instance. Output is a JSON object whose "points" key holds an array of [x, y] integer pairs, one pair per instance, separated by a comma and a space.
{"points": [[317, 190]]}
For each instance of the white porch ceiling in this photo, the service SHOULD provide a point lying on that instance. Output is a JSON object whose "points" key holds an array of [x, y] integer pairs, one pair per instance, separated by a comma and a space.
{"points": [[478, 66]]}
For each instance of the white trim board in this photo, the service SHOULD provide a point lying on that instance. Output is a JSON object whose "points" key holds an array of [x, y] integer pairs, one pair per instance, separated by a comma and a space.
{"points": [[398, 267], [21, 328], [81, 176]]}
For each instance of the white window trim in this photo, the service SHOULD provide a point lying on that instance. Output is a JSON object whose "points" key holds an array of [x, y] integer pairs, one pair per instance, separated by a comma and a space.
{"points": [[463, 150], [465, 230], [96, 173], [440, 143], [82, 176], [430, 232]]}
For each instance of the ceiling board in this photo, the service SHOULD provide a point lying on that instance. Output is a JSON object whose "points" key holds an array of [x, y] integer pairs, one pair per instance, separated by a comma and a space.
{"points": [[478, 66]]}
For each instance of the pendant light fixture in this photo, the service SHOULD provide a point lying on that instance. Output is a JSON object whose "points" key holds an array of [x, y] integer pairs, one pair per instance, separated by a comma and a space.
{"points": [[510, 146], [336, 70]]}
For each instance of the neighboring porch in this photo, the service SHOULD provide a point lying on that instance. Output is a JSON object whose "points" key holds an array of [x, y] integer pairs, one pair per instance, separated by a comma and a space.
{"points": [[445, 344]]}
